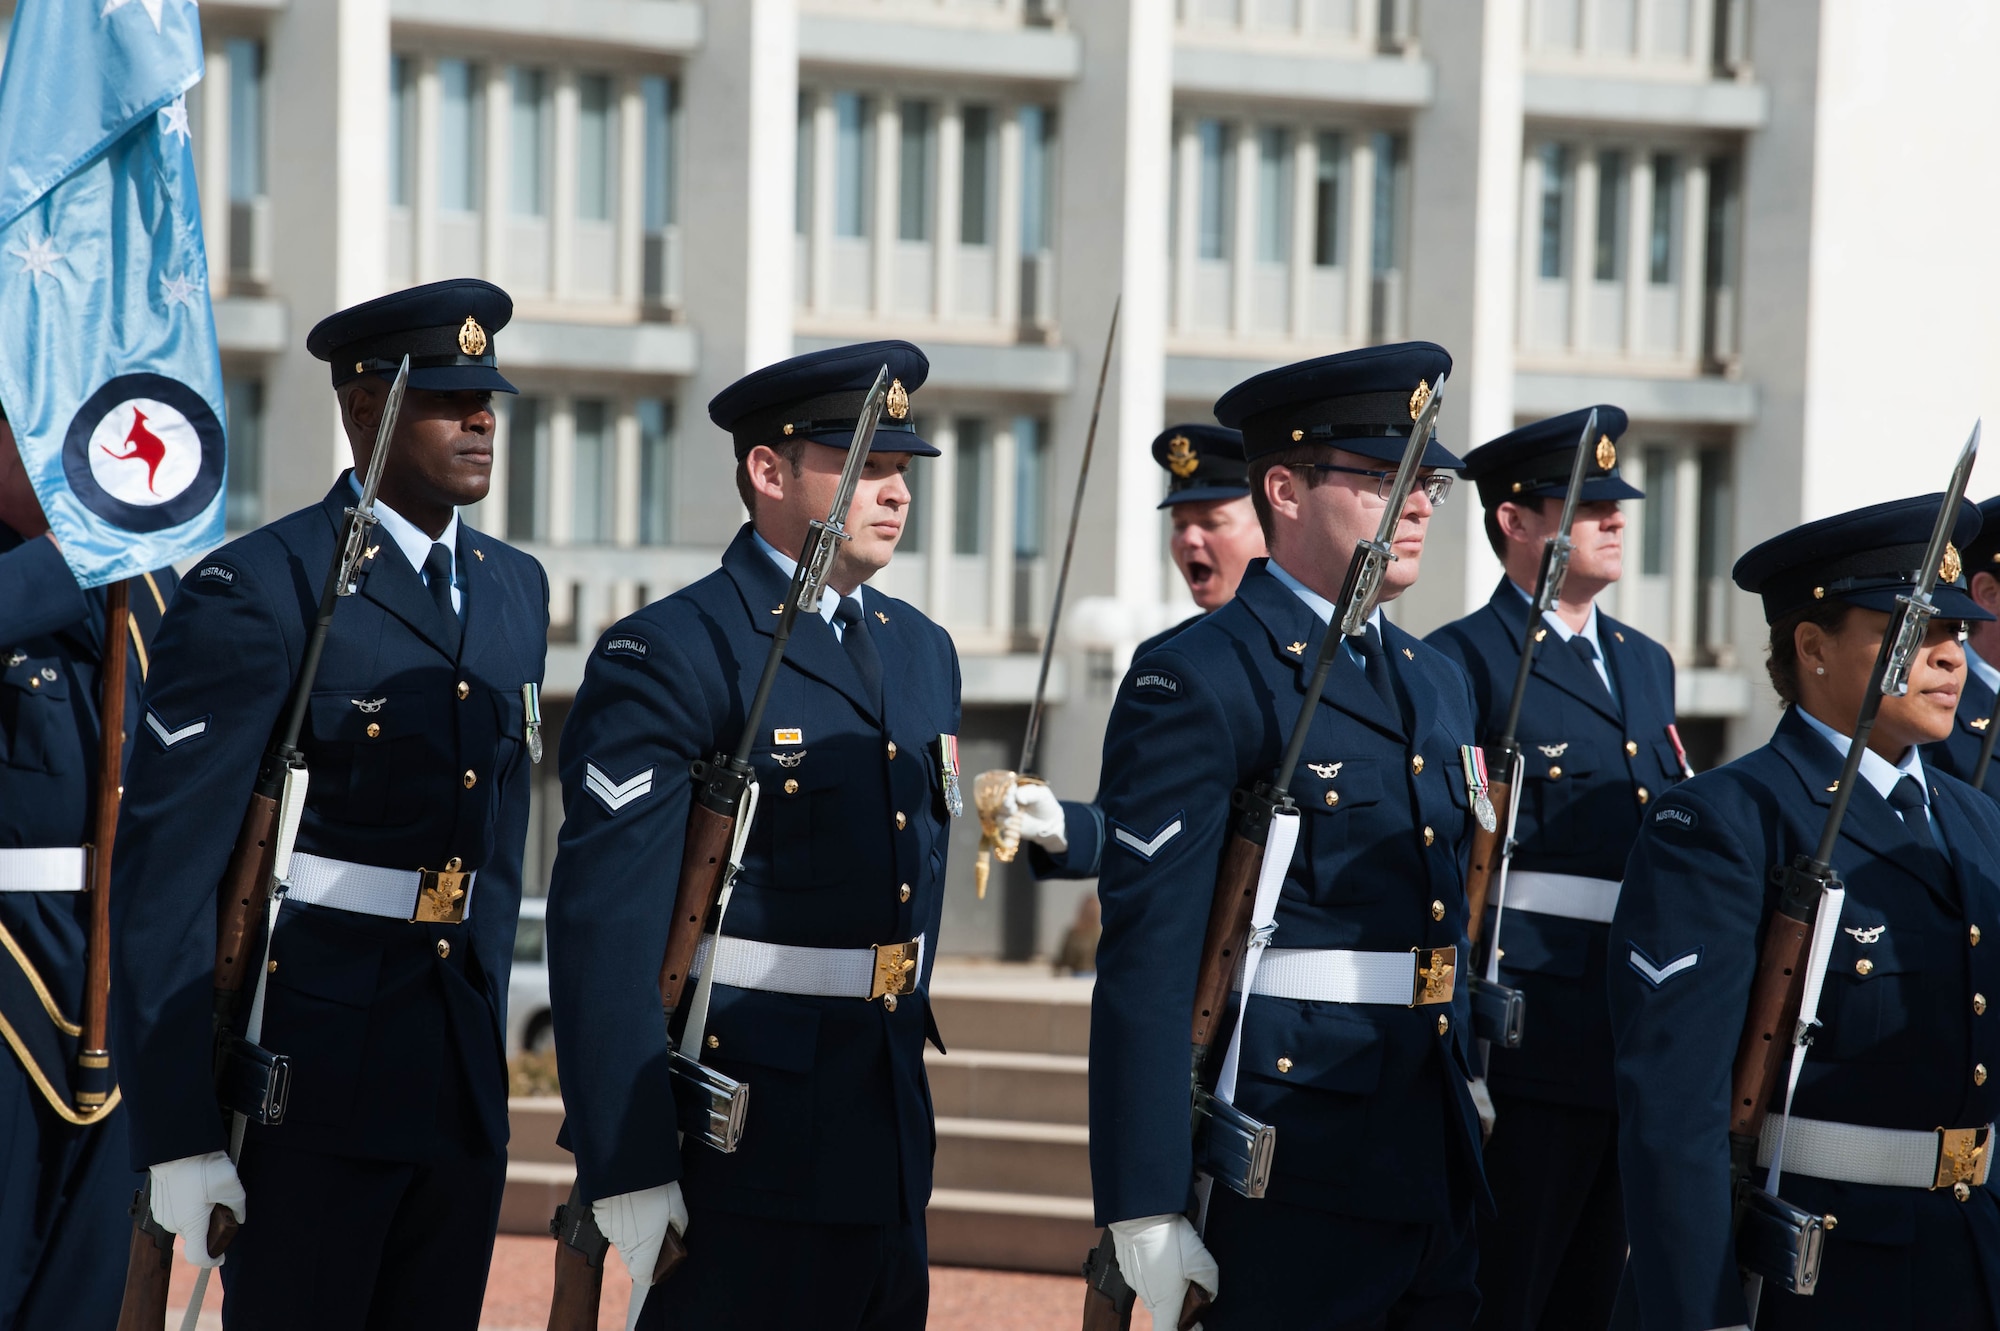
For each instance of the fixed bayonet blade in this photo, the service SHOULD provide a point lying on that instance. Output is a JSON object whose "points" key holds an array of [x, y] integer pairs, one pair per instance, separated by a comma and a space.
{"points": [[1560, 545], [825, 537], [1918, 606], [1378, 554], [363, 513]]}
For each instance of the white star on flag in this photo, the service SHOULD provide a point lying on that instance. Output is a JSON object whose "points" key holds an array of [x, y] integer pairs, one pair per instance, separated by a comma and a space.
{"points": [[176, 116], [39, 259], [180, 291], [152, 8]]}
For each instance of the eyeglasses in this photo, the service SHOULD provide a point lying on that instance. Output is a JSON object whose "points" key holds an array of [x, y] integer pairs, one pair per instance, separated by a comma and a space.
{"points": [[1435, 486]]}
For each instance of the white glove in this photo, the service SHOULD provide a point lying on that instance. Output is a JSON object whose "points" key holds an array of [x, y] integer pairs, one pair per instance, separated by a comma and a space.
{"points": [[1158, 1255], [1482, 1100], [1038, 814], [637, 1224], [184, 1191]]}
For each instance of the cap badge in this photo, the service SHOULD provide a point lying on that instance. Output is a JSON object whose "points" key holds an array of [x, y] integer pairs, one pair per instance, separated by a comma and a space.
{"points": [[471, 337], [1181, 457], [1951, 565], [1419, 397], [899, 400], [1607, 453]]}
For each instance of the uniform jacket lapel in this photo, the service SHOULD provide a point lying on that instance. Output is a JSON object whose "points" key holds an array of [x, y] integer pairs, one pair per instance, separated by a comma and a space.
{"points": [[1416, 684], [1554, 663], [1296, 633], [813, 649], [1870, 822], [390, 582], [479, 607]]}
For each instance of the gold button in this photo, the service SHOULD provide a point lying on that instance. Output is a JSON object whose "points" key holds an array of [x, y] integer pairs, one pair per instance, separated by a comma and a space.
{"points": [[1437, 910], [1979, 1005], [791, 785], [888, 1002], [1972, 934], [892, 750], [1444, 1023], [1978, 1074], [1429, 836], [1555, 773], [454, 864], [1644, 794], [1631, 748], [464, 689], [1832, 1223], [902, 820], [273, 967], [1864, 967], [715, 1042], [1962, 1191], [34, 683], [1416, 763], [903, 892], [374, 730], [444, 947], [471, 778], [1284, 1065], [1332, 798]]}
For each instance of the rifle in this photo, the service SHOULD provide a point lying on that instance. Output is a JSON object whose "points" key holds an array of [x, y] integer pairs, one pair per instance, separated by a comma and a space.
{"points": [[1775, 1239], [1497, 1010], [1230, 1146], [252, 1083], [709, 1103]]}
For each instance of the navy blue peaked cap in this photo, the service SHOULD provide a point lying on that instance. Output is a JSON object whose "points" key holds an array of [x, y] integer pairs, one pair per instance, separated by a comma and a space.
{"points": [[445, 328], [1867, 557], [1203, 462], [818, 397], [1361, 401], [1982, 555], [1534, 461]]}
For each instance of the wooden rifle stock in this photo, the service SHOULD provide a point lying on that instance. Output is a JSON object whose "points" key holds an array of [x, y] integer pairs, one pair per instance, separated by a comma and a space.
{"points": [[580, 1250], [1102, 1312], [704, 862], [1775, 995], [1228, 925], [1487, 849], [148, 1271]]}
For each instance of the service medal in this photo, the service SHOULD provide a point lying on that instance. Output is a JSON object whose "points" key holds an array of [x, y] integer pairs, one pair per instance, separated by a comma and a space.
{"points": [[954, 798], [531, 718], [1474, 759]]}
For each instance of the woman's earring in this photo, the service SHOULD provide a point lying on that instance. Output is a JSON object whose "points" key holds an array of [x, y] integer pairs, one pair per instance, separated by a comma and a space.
{"points": [[1819, 670]]}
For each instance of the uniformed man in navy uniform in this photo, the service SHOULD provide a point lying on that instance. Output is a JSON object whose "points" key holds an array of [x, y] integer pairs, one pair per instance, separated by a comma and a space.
{"points": [[1598, 741], [1958, 754], [1369, 1216], [1215, 537], [374, 1203], [818, 1217], [65, 1180], [1888, 1133]]}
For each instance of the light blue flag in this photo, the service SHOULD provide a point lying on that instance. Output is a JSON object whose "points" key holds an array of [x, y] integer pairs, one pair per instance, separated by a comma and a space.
{"points": [[108, 371]]}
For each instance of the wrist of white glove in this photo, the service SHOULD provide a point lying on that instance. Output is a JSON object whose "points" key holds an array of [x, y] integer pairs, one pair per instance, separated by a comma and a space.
{"points": [[1039, 816], [1159, 1255], [637, 1224], [1482, 1100], [185, 1191]]}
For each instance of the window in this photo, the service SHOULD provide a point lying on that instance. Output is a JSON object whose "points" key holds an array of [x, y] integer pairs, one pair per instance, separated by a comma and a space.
{"points": [[1660, 245], [979, 165], [1656, 550], [1715, 518], [1554, 211], [1030, 487], [246, 119], [656, 470], [853, 163], [530, 142], [1613, 193], [1329, 200], [802, 169], [595, 147], [527, 468], [1387, 226], [969, 508], [590, 514], [243, 410], [402, 132], [913, 184], [1038, 169], [1215, 208], [461, 146], [1274, 195], [659, 101]]}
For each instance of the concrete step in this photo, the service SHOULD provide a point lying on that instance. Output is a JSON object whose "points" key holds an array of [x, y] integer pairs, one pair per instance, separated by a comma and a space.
{"points": [[998, 1155], [534, 1190], [1009, 1230], [1011, 1012], [984, 1083], [533, 1121]]}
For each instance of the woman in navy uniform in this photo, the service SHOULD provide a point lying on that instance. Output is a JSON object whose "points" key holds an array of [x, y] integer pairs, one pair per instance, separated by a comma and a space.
{"points": [[818, 1217], [1979, 704], [374, 1202], [1369, 1217], [1895, 1093], [1598, 739], [65, 1180]]}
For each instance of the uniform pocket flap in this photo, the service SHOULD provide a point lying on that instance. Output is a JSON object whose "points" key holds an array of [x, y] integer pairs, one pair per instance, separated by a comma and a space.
{"points": [[38, 678], [344, 717], [1326, 1046], [1332, 787], [767, 1030], [509, 716], [1545, 946], [1670, 759], [1885, 951]]}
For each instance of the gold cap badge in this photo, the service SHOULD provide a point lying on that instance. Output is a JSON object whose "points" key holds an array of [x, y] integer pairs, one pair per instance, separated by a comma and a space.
{"points": [[1418, 397], [471, 337], [1951, 565], [1181, 457], [1607, 453], [898, 403]]}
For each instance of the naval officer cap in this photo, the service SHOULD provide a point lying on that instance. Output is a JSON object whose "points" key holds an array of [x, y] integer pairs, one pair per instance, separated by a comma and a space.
{"points": [[445, 328], [817, 397], [1361, 401], [1534, 461], [1203, 462], [1982, 554], [1867, 557]]}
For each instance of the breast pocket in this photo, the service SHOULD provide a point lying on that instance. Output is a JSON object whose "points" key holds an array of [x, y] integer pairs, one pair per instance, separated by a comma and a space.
{"points": [[368, 752], [801, 810], [1871, 997], [35, 712], [1332, 797], [1558, 785]]}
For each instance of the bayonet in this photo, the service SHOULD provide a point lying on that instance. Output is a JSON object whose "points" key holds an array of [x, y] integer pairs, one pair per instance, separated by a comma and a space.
{"points": [[361, 518]]}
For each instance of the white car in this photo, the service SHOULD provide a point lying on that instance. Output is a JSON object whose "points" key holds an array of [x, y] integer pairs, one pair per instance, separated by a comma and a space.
{"points": [[529, 1029]]}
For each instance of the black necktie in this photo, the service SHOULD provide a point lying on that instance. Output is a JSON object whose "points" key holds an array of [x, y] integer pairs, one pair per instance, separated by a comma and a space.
{"points": [[1586, 652], [860, 647], [1376, 666], [437, 574], [1906, 797]]}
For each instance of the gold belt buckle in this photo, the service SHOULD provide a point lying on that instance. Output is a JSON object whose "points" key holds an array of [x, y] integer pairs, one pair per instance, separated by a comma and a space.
{"points": [[1437, 972], [441, 895], [1962, 1161], [895, 971]]}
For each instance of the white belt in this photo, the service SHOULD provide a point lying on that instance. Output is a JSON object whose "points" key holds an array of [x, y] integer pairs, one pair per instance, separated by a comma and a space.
{"points": [[882, 971], [1885, 1157], [43, 869], [1334, 975], [1565, 894], [365, 889]]}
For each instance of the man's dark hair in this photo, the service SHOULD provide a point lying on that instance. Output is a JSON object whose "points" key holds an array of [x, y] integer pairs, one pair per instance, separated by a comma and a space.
{"points": [[791, 450], [1497, 538], [1264, 466], [1782, 665]]}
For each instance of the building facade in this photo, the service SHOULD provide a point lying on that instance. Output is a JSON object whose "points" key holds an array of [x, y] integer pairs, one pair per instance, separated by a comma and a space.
{"points": [[1755, 225]]}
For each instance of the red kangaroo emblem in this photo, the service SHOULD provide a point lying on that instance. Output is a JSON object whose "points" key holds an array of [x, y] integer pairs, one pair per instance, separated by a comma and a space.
{"points": [[144, 445]]}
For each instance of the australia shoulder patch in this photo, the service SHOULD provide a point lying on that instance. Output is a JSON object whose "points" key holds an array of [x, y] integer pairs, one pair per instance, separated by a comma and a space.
{"points": [[1672, 818], [1161, 683], [626, 644], [214, 574]]}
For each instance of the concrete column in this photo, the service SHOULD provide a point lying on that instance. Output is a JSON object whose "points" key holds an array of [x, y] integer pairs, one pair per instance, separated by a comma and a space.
{"points": [[825, 150], [950, 187], [630, 194], [424, 188], [741, 151], [1638, 249], [888, 179], [562, 198], [1582, 250], [1000, 518], [941, 523], [329, 190], [1007, 231], [1187, 223], [1305, 182], [625, 474], [496, 178], [1243, 235], [211, 124], [1360, 236], [1694, 255], [1465, 155]]}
